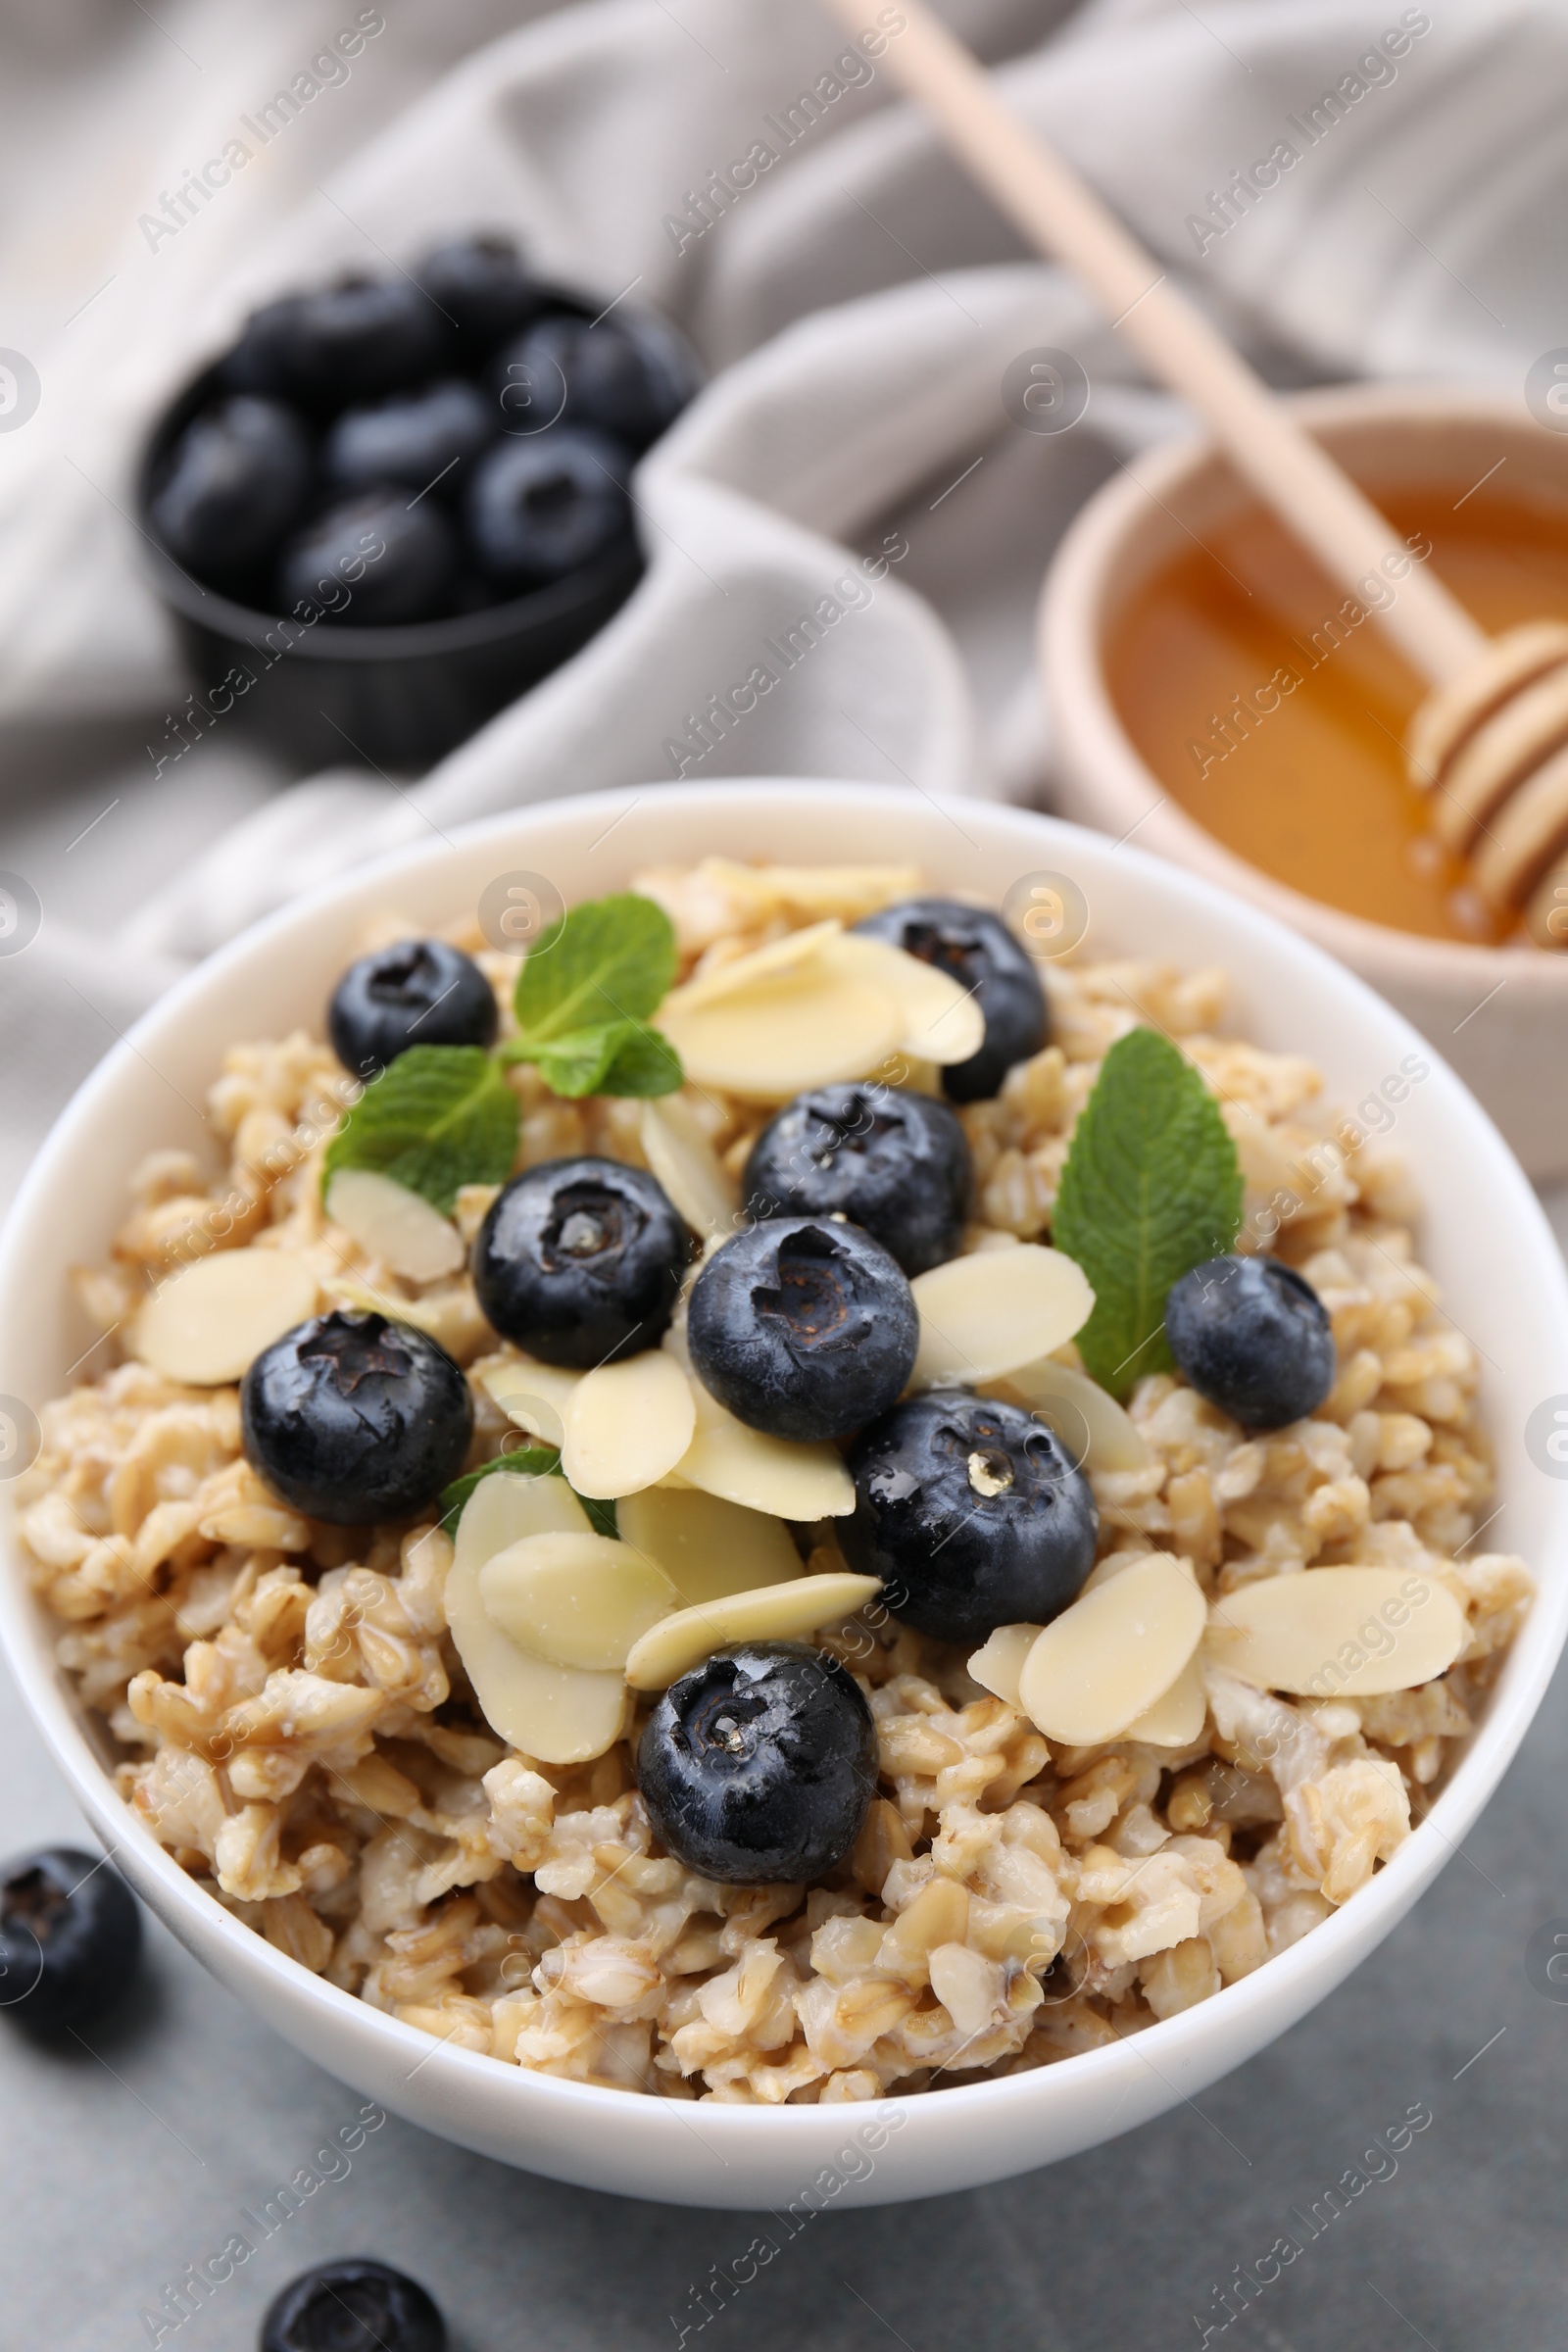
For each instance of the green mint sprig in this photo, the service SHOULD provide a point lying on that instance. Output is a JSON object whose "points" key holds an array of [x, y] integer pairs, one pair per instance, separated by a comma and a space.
{"points": [[1151, 1188], [528, 1461], [435, 1119], [584, 994]]}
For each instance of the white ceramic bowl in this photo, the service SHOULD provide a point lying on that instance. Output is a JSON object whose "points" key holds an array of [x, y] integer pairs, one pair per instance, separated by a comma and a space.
{"points": [[1485, 1237]]}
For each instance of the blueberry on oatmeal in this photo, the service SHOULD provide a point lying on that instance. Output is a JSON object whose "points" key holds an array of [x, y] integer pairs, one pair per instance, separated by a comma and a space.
{"points": [[759, 1765], [420, 991], [1253, 1336], [896, 1163], [971, 1512], [977, 948], [355, 1419], [353, 2305], [804, 1327], [70, 1936], [580, 1261]]}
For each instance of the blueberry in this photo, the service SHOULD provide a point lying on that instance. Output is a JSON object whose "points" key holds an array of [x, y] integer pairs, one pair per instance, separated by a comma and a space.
{"points": [[760, 1766], [978, 951], [896, 1163], [356, 340], [419, 993], [371, 561], [627, 376], [972, 1514], [235, 486], [70, 1936], [355, 1419], [540, 507], [1253, 1338], [482, 284], [805, 1327], [354, 2305], [425, 440], [580, 1262]]}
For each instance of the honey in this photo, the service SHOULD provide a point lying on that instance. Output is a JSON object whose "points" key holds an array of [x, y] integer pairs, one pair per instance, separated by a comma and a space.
{"points": [[1272, 708]]}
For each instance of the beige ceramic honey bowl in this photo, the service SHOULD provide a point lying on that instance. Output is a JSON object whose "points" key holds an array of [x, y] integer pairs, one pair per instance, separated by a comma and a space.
{"points": [[1214, 693]]}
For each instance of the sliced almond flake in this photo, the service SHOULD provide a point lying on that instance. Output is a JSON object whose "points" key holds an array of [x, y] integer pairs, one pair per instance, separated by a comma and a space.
{"points": [[846, 890], [1092, 1425], [1116, 1563], [999, 1663], [576, 1600], [680, 1155], [779, 957], [943, 1021], [1106, 1659], [771, 1614], [1338, 1633], [627, 1424], [394, 1225], [776, 1475], [1176, 1718], [533, 1396], [994, 1310], [507, 1506], [207, 1324], [772, 1041], [707, 1546], [554, 1714]]}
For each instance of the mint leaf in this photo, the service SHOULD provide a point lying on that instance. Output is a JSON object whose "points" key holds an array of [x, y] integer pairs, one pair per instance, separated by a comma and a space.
{"points": [[527, 1461], [1151, 1188], [645, 1063], [575, 1064], [609, 959], [438, 1117]]}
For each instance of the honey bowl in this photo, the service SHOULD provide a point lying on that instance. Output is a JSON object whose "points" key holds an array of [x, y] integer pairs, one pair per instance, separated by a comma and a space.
{"points": [[1215, 697]]}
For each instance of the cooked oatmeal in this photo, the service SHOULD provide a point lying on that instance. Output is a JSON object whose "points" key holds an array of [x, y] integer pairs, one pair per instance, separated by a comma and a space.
{"points": [[295, 1724]]}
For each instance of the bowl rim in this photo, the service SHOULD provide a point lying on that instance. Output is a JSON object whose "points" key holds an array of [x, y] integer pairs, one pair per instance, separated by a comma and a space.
{"points": [[1070, 630], [1242, 2018]]}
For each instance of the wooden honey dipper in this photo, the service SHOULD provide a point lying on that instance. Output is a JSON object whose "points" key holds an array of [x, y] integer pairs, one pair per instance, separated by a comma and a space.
{"points": [[1489, 742]]}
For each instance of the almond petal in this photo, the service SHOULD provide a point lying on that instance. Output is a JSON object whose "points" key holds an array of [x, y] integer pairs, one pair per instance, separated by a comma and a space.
{"points": [[1113, 1653], [994, 1310], [776, 1475], [684, 1161], [509, 1505], [576, 1600], [770, 1613], [1338, 1633], [778, 958], [1091, 1424], [1176, 1718], [999, 1660], [552, 1714], [534, 1396], [1116, 1563], [942, 1022], [625, 1425], [707, 1546], [208, 1323], [772, 1041], [394, 1225]]}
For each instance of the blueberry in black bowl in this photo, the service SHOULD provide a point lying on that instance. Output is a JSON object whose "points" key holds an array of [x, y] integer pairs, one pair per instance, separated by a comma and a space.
{"points": [[354, 2305], [759, 1766], [971, 1512], [69, 1938], [1254, 1337], [580, 1261], [424, 440], [422, 992], [539, 508], [804, 1327], [356, 340], [627, 378], [371, 561], [235, 485], [896, 1163], [355, 1419], [975, 948], [482, 284]]}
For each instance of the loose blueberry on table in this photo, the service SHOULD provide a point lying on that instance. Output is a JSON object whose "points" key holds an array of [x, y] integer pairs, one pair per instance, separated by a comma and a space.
{"points": [[354, 2305], [355, 1419], [895, 1163], [580, 1261], [69, 1938], [975, 948], [972, 1513], [420, 991], [760, 1766], [804, 1327], [1254, 1337]]}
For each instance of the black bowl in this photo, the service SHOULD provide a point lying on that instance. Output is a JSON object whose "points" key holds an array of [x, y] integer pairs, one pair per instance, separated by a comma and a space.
{"points": [[388, 697]]}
